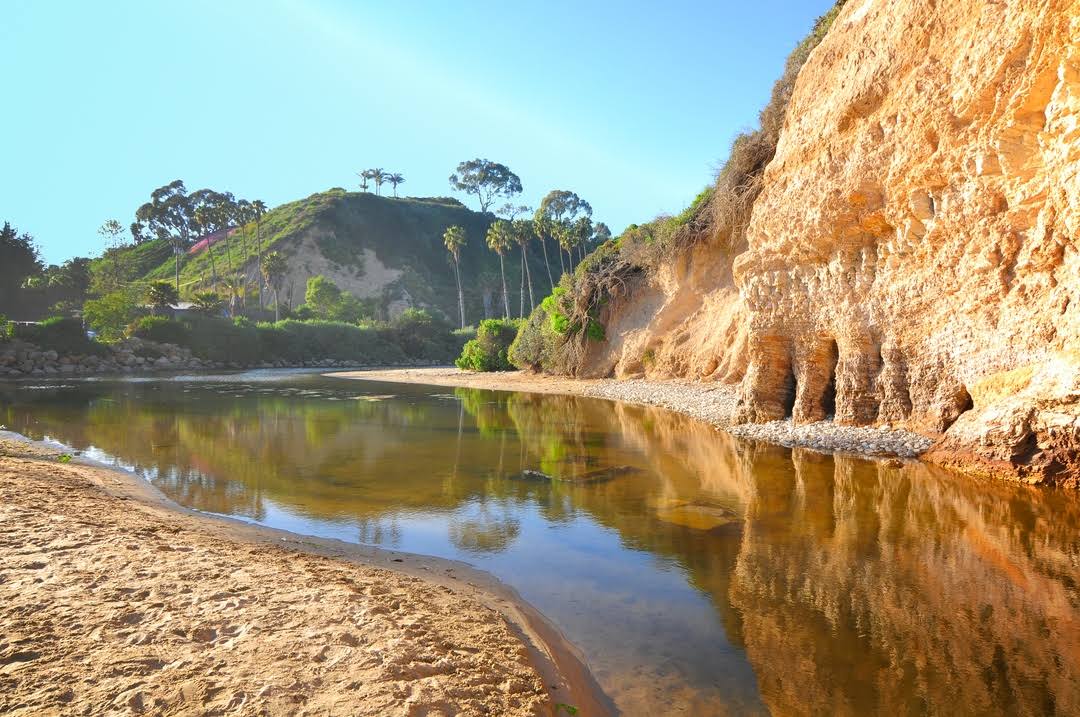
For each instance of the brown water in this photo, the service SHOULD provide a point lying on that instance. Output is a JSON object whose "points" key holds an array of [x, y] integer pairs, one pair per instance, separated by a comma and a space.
{"points": [[698, 574]]}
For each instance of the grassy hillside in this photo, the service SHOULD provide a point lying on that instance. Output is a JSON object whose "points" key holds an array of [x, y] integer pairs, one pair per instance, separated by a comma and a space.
{"points": [[328, 233]]}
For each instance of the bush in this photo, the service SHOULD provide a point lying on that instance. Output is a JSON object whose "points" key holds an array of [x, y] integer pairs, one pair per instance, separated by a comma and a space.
{"points": [[60, 334], [162, 330], [424, 336], [489, 351], [112, 314]]}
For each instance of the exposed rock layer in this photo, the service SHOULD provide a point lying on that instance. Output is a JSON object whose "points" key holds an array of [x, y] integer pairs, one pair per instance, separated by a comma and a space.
{"points": [[912, 257]]}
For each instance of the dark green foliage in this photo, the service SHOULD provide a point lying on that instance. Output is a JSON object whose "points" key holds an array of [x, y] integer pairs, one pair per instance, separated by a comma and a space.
{"points": [[415, 336], [489, 351], [18, 262], [60, 334], [424, 336], [161, 329]]}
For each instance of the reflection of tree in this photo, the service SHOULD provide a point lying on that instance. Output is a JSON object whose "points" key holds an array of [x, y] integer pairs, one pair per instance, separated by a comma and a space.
{"points": [[491, 531], [852, 588]]}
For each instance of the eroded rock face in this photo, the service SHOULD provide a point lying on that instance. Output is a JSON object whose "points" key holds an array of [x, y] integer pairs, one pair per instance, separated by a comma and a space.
{"points": [[917, 231]]}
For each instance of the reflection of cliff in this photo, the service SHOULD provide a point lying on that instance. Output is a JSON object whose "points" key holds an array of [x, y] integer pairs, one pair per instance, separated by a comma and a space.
{"points": [[853, 587], [867, 589]]}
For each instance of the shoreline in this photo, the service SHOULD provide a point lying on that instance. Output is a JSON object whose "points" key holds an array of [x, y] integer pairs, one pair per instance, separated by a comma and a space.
{"points": [[507, 622], [709, 402]]}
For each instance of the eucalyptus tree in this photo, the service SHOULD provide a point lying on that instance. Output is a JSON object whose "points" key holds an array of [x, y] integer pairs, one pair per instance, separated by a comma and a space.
{"points": [[487, 180], [523, 234], [273, 268], [454, 239], [395, 179], [500, 237], [167, 216]]}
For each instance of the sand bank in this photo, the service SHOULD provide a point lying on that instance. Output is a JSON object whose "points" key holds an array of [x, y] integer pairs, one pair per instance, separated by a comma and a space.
{"points": [[115, 600]]}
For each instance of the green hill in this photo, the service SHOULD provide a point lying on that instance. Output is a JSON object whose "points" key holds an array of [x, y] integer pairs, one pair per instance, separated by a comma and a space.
{"points": [[381, 248]]}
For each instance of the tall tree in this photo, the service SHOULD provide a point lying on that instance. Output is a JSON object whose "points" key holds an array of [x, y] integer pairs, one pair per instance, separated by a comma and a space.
{"points": [[168, 216], [523, 234], [19, 261], [487, 180], [274, 268], [454, 239], [582, 234], [542, 229], [378, 176], [395, 179], [205, 222], [500, 237], [258, 210], [365, 177]]}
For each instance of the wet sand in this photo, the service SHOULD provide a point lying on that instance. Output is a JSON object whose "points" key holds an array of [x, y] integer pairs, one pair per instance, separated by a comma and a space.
{"points": [[115, 600]]}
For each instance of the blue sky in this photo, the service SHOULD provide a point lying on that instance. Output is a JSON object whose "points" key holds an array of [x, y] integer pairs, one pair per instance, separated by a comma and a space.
{"points": [[630, 104]]}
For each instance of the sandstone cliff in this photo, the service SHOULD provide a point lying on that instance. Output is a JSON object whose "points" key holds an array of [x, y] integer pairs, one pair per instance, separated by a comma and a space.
{"points": [[911, 258]]}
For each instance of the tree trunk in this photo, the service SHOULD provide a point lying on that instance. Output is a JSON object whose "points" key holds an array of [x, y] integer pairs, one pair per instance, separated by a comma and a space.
{"points": [[528, 278], [506, 298], [562, 264], [213, 266], [258, 251], [521, 289], [460, 294], [547, 263], [277, 305], [176, 260]]}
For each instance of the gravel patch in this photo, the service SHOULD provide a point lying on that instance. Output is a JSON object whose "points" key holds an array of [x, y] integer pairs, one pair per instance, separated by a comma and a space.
{"points": [[716, 404]]}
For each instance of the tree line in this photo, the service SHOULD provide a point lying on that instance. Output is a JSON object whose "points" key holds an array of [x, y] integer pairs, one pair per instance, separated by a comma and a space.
{"points": [[563, 218]]}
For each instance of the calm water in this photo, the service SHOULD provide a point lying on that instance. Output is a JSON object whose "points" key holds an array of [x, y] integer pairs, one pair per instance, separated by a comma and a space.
{"points": [[698, 574]]}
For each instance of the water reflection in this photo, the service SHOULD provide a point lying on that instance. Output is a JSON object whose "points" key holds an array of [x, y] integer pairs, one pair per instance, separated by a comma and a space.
{"points": [[698, 573]]}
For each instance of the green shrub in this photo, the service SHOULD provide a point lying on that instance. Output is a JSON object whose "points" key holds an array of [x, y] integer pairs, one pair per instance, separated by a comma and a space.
{"points": [[162, 330], [113, 313], [218, 339], [424, 336], [61, 334], [489, 351]]}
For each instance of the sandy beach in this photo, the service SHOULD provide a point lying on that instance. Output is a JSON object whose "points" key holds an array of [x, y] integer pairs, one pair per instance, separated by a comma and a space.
{"points": [[114, 600]]}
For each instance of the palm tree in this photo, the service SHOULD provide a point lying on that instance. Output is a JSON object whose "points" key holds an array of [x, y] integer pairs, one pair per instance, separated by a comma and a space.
{"points": [[499, 239], [395, 179], [454, 239], [273, 269], [378, 176], [236, 286], [161, 295], [258, 209], [523, 234], [542, 227], [364, 177]]}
